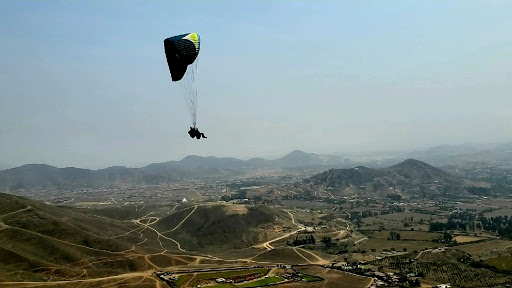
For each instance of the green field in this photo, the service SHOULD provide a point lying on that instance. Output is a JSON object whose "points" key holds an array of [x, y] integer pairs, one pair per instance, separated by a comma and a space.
{"points": [[487, 249], [310, 278], [226, 275], [226, 285], [261, 282], [502, 263], [257, 283], [182, 279]]}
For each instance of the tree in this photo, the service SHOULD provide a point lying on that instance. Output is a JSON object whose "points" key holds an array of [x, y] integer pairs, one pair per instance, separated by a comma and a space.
{"points": [[394, 235], [327, 242], [472, 226], [447, 237]]}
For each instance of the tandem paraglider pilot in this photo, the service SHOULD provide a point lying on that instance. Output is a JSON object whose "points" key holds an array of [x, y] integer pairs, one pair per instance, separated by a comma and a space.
{"points": [[194, 133], [181, 52]]}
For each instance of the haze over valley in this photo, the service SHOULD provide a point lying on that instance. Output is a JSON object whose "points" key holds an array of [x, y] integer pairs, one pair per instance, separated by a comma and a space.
{"points": [[191, 222], [244, 144]]}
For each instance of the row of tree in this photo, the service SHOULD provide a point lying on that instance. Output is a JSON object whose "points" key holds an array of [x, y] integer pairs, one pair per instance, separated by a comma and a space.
{"points": [[502, 225], [297, 242]]}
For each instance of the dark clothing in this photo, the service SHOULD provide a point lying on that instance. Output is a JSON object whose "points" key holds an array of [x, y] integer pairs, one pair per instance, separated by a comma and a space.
{"points": [[194, 133]]}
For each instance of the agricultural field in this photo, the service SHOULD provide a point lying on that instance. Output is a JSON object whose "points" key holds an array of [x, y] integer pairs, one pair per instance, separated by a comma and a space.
{"points": [[380, 245], [256, 283], [309, 278], [208, 278], [499, 212], [401, 221], [416, 217], [315, 276], [498, 203], [445, 267], [261, 282], [487, 249], [501, 263], [332, 279], [407, 235], [471, 206], [468, 239]]}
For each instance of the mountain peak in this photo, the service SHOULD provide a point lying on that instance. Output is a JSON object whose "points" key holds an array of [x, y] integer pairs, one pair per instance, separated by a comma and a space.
{"points": [[410, 175], [412, 163]]}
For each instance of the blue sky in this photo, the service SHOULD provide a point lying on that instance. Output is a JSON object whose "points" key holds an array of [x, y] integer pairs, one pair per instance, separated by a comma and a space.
{"points": [[86, 84]]}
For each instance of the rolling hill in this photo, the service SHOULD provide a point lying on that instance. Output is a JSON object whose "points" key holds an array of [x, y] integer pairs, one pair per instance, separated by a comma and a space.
{"points": [[41, 242], [223, 226], [411, 178]]}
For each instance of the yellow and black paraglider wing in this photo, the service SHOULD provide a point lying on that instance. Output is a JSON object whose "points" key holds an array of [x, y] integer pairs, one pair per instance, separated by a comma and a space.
{"points": [[181, 51]]}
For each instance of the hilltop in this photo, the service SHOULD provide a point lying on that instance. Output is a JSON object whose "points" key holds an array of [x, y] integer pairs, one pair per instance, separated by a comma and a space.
{"points": [[411, 178], [232, 226]]}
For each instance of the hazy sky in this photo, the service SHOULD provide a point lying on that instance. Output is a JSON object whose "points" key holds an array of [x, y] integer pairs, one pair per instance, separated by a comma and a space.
{"points": [[86, 84]]}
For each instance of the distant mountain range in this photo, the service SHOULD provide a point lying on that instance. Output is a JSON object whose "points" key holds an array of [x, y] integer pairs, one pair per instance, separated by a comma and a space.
{"points": [[198, 167], [466, 154], [409, 178]]}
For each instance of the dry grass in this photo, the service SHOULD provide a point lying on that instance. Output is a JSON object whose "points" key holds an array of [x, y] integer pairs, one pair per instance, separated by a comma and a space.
{"points": [[236, 209], [467, 239], [399, 245], [408, 235], [281, 255], [486, 250], [500, 212]]}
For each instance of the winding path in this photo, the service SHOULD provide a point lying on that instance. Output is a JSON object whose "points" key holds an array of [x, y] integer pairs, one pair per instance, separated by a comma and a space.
{"points": [[269, 247]]}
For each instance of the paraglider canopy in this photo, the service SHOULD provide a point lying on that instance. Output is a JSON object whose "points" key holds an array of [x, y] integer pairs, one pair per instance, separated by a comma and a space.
{"points": [[181, 51]]}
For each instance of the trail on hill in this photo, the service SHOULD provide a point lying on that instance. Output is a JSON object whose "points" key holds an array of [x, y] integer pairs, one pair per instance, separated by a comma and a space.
{"points": [[65, 242], [144, 274], [360, 240], [17, 211], [302, 256], [138, 221], [182, 221], [269, 247], [320, 259], [84, 268]]}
